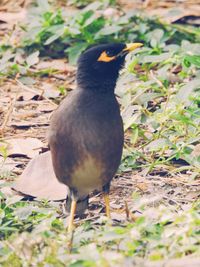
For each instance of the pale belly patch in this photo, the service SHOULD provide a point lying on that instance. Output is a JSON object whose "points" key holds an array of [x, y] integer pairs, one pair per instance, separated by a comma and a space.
{"points": [[87, 176]]}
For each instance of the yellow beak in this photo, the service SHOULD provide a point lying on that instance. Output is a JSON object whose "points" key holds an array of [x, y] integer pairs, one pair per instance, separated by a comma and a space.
{"points": [[129, 47], [132, 46]]}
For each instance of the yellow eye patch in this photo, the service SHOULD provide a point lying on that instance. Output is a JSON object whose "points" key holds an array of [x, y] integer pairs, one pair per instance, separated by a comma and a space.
{"points": [[105, 58]]}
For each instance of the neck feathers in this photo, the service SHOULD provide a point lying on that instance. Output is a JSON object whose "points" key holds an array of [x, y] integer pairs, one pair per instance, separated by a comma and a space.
{"points": [[94, 82]]}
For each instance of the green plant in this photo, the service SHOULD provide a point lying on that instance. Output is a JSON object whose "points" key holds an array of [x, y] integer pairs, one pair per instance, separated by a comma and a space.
{"points": [[165, 120]]}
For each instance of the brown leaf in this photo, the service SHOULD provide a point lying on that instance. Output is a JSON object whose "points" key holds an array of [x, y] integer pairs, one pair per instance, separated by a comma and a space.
{"points": [[27, 124], [173, 14], [120, 217], [50, 91], [11, 17], [38, 180], [142, 186], [8, 192], [25, 96], [46, 108], [24, 146], [56, 64], [7, 165], [196, 151]]}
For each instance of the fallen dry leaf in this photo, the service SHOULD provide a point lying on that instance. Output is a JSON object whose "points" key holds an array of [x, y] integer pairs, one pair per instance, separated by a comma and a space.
{"points": [[50, 91], [13, 17], [25, 96], [7, 165], [142, 186], [174, 14], [196, 151], [24, 147], [27, 124], [38, 180], [56, 64], [119, 217], [46, 108]]}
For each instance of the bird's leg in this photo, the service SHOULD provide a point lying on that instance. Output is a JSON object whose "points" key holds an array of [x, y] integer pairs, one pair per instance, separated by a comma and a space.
{"points": [[106, 190], [71, 217], [107, 202]]}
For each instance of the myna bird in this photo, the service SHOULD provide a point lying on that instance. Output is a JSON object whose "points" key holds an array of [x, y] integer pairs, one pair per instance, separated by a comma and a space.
{"points": [[86, 132]]}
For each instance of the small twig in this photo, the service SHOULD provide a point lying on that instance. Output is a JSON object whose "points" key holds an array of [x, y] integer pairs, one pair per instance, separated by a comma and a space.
{"points": [[184, 200], [127, 211], [9, 245], [7, 116], [156, 79], [146, 3], [124, 186], [134, 99], [89, 219], [58, 77]]}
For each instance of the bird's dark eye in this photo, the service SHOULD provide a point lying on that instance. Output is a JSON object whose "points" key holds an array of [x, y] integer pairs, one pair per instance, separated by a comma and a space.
{"points": [[110, 53], [106, 56]]}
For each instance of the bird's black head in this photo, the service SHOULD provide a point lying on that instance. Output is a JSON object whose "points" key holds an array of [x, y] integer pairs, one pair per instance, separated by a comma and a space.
{"points": [[98, 67]]}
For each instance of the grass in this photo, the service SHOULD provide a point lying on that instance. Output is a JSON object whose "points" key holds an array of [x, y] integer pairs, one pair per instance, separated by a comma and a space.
{"points": [[34, 236], [160, 98]]}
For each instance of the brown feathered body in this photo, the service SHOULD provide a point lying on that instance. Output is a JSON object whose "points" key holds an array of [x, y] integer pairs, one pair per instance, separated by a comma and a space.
{"points": [[86, 140]]}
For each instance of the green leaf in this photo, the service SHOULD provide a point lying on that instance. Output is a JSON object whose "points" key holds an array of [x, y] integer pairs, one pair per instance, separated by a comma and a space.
{"points": [[186, 90], [83, 17], [146, 97], [27, 80], [33, 58], [92, 18], [193, 59], [157, 144], [186, 63], [23, 212], [75, 51], [109, 30], [134, 136], [57, 30], [155, 37], [93, 6], [156, 58], [43, 4]]}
